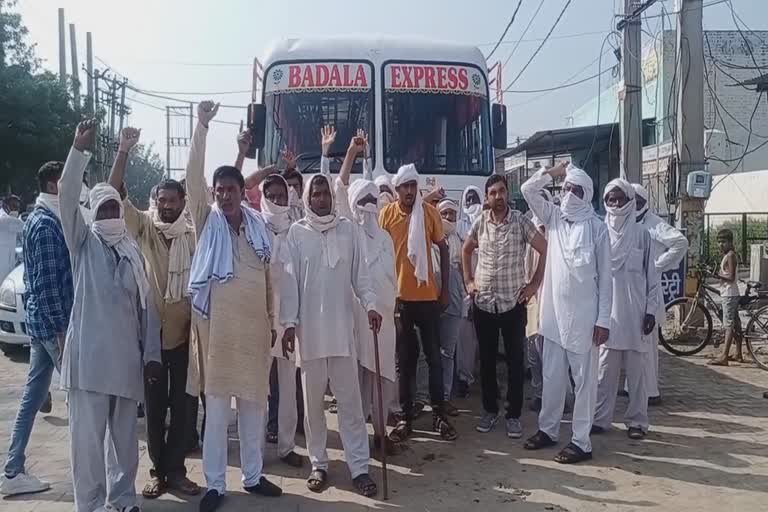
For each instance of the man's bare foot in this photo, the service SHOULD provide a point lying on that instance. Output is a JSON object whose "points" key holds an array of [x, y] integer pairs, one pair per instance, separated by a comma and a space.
{"points": [[718, 362], [737, 358]]}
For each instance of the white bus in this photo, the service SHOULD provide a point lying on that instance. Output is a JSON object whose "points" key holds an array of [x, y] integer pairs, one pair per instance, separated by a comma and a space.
{"points": [[421, 102]]}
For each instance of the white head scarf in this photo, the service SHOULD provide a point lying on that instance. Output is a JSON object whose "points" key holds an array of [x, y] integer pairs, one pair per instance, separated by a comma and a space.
{"points": [[384, 197], [114, 234], [275, 215], [50, 202], [366, 216], [474, 211], [574, 208], [417, 233], [640, 191], [451, 235], [622, 227], [323, 224]]}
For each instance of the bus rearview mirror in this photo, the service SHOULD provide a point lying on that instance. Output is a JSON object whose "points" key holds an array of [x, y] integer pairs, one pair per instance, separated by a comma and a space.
{"points": [[499, 124], [257, 117]]}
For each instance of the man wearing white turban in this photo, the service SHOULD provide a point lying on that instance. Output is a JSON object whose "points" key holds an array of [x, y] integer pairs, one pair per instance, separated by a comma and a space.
{"points": [[358, 202], [325, 277], [575, 306], [414, 227], [633, 313], [103, 367], [670, 247]]}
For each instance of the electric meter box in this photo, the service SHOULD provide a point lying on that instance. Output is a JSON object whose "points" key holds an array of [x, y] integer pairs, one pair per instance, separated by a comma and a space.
{"points": [[699, 184]]}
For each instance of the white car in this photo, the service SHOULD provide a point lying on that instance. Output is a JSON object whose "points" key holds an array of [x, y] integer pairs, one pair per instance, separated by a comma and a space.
{"points": [[13, 329]]}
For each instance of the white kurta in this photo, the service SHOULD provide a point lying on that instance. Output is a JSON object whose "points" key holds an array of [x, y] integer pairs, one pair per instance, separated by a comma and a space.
{"points": [[10, 227], [317, 299], [380, 263], [576, 292], [278, 243], [635, 294]]}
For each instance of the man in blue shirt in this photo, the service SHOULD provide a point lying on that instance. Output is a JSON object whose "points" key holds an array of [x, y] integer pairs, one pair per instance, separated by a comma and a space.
{"points": [[48, 303]]}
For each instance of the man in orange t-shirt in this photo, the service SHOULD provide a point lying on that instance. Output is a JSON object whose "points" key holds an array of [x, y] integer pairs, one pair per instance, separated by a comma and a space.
{"points": [[414, 226]]}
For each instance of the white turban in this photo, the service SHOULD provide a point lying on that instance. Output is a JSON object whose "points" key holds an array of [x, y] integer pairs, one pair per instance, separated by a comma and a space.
{"points": [[622, 228], [324, 224], [366, 216], [113, 233], [640, 191], [574, 208], [417, 234]]}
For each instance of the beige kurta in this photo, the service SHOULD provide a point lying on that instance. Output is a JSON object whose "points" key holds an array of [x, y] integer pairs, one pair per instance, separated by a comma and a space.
{"points": [[229, 352]]}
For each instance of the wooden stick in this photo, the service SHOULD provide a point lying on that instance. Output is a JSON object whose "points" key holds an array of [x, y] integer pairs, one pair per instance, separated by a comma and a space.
{"points": [[382, 423]]}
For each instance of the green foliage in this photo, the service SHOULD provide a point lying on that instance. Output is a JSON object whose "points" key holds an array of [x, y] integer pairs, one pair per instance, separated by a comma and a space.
{"points": [[38, 119], [757, 232], [144, 171]]}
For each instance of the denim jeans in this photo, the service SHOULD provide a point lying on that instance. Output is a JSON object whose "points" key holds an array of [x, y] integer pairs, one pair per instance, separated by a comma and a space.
{"points": [[43, 358]]}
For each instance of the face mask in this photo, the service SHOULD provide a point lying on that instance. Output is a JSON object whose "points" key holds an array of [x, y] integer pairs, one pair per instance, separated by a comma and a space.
{"points": [[14, 214], [449, 227], [293, 197], [385, 198], [573, 207], [368, 207], [618, 215], [474, 210], [109, 230]]}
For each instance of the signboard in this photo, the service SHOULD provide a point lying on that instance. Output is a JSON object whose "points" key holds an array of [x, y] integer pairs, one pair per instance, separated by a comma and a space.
{"points": [[318, 77], [673, 282], [434, 78]]}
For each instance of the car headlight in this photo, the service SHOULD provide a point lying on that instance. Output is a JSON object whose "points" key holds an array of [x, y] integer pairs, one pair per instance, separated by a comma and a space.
{"points": [[8, 293]]}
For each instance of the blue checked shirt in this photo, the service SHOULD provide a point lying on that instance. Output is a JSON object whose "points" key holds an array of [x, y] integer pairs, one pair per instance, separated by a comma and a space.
{"points": [[47, 275]]}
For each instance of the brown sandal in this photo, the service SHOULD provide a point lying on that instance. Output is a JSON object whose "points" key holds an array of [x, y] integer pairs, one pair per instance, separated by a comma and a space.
{"points": [[572, 454], [317, 480], [538, 441], [365, 485], [444, 428], [401, 432], [154, 488]]}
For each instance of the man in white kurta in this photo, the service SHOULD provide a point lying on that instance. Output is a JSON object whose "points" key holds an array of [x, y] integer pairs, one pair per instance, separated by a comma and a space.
{"points": [[359, 204], [275, 209], [10, 227], [575, 306], [669, 248], [635, 303], [324, 280]]}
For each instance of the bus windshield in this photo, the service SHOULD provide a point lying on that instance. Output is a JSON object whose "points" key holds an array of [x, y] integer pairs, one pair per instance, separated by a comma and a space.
{"points": [[436, 116], [302, 98]]}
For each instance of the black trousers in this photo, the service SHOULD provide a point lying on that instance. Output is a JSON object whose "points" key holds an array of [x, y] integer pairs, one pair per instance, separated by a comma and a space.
{"points": [[511, 324], [426, 316], [167, 450]]}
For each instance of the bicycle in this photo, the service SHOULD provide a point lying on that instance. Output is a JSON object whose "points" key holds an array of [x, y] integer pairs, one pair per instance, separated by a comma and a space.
{"points": [[688, 327]]}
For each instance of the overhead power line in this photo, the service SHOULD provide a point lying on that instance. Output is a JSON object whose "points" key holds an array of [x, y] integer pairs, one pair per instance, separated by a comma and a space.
{"points": [[562, 86], [504, 34], [517, 44], [543, 42]]}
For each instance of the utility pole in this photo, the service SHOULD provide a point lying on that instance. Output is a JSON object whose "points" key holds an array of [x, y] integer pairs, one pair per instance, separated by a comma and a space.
{"points": [[631, 165], [690, 121], [62, 50], [91, 107], [178, 129], [75, 68]]}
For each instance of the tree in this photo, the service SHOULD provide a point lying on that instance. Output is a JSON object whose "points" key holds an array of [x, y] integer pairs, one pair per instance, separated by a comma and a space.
{"points": [[143, 171], [37, 117]]}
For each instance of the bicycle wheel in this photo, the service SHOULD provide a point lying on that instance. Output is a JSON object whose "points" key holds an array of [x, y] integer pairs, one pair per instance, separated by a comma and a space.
{"points": [[756, 336], [687, 327]]}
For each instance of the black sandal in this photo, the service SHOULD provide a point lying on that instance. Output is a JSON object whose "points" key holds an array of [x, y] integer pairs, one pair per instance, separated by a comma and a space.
{"points": [[572, 454], [445, 429], [365, 485], [317, 480], [538, 441], [401, 432]]}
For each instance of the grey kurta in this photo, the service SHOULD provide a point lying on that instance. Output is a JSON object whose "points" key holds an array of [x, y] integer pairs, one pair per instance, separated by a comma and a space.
{"points": [[110, 336]]}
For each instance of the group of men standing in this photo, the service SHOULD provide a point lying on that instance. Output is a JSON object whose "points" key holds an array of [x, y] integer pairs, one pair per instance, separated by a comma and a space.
{"points": [[197, 296]]}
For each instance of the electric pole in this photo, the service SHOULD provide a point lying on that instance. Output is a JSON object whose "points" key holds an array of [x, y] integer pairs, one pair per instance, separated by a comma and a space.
{"points": [[89, 71], [75, 68], [62, 50], [631, 166], [690, 121], [178, 128]]}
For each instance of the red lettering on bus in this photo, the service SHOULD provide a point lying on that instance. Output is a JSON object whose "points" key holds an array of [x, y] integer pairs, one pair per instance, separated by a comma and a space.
{"points": [[394, 76], [407, 82], [321, 80], [463, 79], [418, 76], [308, 80], [335, 80], [441, 72], [430, 83], [453, 79], [294, 76], [360, 79]]}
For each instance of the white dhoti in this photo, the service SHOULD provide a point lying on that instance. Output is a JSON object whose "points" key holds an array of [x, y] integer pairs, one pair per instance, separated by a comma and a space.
{"points": [[342, 374], [287, 413], [251, 425], [555, 364], [466, 352], [99, 422], [370, 398], [635, 365]]}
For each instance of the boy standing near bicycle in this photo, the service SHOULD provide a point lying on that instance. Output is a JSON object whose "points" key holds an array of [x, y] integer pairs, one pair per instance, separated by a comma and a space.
{"points": [[730, 295]]}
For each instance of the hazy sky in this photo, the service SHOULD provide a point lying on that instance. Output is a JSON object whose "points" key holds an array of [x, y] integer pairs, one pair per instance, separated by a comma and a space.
{"points": [[202, 46]]}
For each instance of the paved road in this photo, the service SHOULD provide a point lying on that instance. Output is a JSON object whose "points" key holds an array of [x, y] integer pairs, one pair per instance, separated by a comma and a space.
{"points": [[708, 449]]}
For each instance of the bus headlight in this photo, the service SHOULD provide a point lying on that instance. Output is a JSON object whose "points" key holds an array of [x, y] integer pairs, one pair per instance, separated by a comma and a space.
{"points": [[8, 294]]}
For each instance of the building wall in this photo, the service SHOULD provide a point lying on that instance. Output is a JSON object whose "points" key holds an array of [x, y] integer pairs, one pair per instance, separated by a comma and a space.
{"points": [[727, 64]]}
